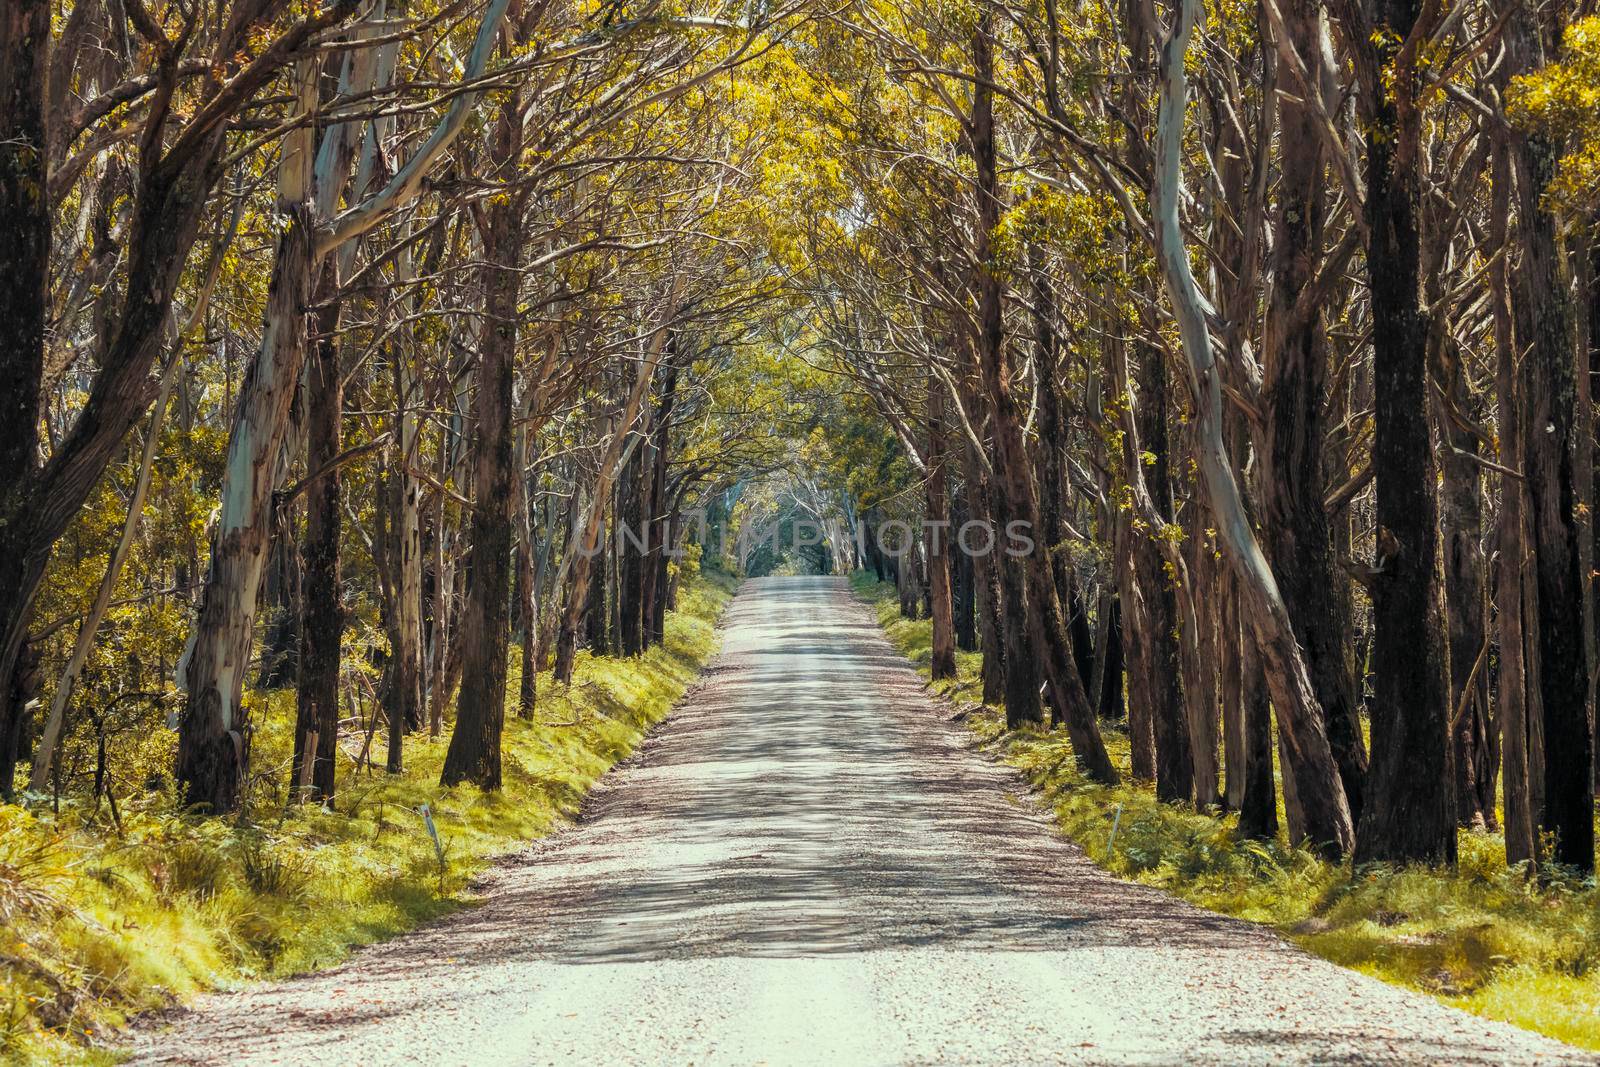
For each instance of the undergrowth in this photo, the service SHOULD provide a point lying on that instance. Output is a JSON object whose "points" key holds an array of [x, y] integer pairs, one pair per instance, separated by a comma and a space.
{"points": [[98, 923], [1483, 937]]}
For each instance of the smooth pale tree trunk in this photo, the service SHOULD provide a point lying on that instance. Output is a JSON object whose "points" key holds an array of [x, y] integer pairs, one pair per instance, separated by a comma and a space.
{"points": [[940, 537], [1301, 725], [212, 736], [212, 732]]}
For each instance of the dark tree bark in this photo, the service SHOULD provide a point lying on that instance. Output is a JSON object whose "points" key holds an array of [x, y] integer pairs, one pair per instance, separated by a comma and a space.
{"points": [[1108, 662], [1258, 807], [940, 537], [656, 573], [1014, 473], [1408, 812], [1475, 741], [1293, 485], [1545, 330], [474, 752], [962, 579], [986, 594], [1158, 685], [281, 592], [24, 281], [597, 619], [317, 694], [632, 544], [1512, 693]]}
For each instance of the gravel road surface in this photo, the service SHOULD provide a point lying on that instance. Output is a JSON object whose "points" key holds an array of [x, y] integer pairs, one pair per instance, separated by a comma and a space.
{"points": [[807, 863]]}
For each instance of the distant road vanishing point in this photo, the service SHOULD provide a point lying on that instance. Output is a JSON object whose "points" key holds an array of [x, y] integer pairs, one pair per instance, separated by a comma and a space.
{"points": [[807, 863]]}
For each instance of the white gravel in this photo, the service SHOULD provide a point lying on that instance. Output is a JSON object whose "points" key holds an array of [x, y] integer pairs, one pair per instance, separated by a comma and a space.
{"points": [[807, 864]]}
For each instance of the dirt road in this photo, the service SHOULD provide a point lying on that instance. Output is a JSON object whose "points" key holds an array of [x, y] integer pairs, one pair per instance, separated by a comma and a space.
{"points": [[808, 864]]}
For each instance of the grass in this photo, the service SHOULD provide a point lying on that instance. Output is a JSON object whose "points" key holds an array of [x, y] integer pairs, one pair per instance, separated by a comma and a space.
{"points": [[96, 925], [1483, 937]]}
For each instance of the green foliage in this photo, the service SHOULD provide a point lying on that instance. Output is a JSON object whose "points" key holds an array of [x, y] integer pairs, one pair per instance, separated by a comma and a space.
{"points": [[97, 924], [1484, 937]]}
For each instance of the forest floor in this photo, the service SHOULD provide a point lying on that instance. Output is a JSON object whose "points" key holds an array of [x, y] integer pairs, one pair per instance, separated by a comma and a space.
{"points": [[810, 862], [101, 918]]}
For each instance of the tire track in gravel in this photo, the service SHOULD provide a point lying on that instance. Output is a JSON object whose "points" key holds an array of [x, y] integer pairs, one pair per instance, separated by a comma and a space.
{"points": [[808, 863]]}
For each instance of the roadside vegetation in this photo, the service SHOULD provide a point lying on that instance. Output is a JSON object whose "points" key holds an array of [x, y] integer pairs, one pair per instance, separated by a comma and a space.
{"points": [[110, 913], [1484, 937]]}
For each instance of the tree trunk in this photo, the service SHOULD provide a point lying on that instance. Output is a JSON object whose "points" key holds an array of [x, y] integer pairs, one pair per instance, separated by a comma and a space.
{"points": [[212, 732], [1013, 469], [940, 536], [1511, 690], [1461, 526], [1408, 813], [581, 553], [1292, 480], [322, 629], [474, 752], [1162, 667], [1300, 717], [1544, 319], [1258, 806]]}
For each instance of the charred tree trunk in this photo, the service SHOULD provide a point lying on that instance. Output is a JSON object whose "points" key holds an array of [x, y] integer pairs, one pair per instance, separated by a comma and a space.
{"points": [[1258, 803], [1461, 522], [963, 581]]}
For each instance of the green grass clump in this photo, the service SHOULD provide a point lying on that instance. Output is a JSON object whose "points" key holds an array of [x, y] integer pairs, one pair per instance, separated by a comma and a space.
{"points": [[97, 924], [1483, 937]]}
